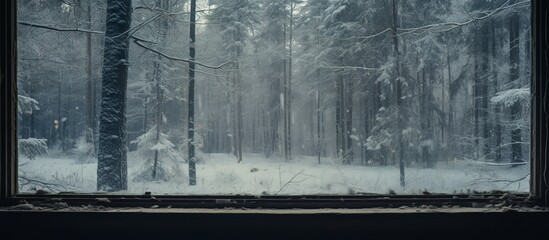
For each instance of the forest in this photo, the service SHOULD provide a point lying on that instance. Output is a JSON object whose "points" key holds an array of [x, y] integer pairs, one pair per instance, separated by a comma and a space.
{"points": [[273, 97]]}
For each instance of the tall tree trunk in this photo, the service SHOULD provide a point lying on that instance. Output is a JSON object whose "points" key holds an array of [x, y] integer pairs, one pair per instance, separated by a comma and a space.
{"points": [[476, 99], [32, 130], [343, 117], [230, 126], [289, 97], [348, 120], [59, 126], [339, 120], [398, 96], [158, 114], [442, 121], [514, 50], [485, 112], [367, 106], [497, 108], [112, 163], [450, 123], [318, 104], [68, 118], [90, 86], [426, 118], [284, 101], [190, 129], [378, 103], [239, 125], [158, 74], [145, 114], [318, 112]]}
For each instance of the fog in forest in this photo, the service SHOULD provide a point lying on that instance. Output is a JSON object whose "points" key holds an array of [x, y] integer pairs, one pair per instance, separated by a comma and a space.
{"points": [[289, 97]]}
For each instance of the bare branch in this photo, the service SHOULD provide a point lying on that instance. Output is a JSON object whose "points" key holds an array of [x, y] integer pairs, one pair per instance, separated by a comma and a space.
{"points": [[138, 42], [350, 67], [169, 13], [59, 29], [289, 182], [495, 180], [50, 186]]}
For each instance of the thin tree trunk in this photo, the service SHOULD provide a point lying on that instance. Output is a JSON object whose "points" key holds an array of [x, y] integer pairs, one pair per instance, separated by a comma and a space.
{"points": [[476, 102], [349, 121], [31, 131], [343, 118], [318, 112], [399, 97], [90, 98], [450, 98], [484, 79], [285, 98], [68, 118], [497, 112], [514, 43], [366, 124], [443, 104], [145, 114], [239, 132], [230, 127], [425, 119], [338, 121], [158, 114], [190, 129], [289, 108], [318, 105], [60, 123]]}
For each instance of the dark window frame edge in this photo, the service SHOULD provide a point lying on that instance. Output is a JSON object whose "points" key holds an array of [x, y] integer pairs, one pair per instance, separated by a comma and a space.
{"points": [[539, 115], [8, 92], [539, 194]]}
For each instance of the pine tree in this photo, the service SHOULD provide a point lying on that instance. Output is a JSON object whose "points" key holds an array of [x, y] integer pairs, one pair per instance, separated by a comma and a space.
{"points": [[160, 158]]}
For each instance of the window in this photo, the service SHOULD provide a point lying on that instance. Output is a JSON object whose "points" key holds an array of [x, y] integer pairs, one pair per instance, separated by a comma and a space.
{"points": [[274, 99]]}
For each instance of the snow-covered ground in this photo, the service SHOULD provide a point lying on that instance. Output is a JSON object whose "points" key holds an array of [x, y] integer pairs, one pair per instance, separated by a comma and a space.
{"points": [[221, 174]]}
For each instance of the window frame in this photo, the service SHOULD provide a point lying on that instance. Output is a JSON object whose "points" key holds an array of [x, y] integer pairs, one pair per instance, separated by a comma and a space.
{"points": [[539, 194]]}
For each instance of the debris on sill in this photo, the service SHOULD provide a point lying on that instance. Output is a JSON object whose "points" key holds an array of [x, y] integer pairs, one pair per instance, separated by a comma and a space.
{"points": [[507, 202], [24, 207], [103, 200]]}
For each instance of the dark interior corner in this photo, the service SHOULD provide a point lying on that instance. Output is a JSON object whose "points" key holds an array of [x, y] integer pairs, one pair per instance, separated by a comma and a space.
{"points": [[235, 223]]}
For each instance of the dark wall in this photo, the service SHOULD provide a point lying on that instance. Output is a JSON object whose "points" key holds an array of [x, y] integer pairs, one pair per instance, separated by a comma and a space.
{"points": [[166, 225]]}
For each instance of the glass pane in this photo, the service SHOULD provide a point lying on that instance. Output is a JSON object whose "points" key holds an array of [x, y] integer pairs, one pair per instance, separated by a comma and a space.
{"points": [[265, 97]]}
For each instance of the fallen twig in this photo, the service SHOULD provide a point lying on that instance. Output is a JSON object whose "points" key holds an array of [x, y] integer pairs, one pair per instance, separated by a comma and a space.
{"points": [[289, 182]]}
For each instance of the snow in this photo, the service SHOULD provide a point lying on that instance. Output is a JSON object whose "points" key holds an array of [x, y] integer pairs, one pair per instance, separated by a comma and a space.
{"points": [[32, 147], [509, 97], [256, 175], [160, 146], [26, 104]]}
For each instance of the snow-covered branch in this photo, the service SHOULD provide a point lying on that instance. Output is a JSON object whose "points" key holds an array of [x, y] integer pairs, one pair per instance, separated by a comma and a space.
{"points": [[448, 26], [511, 96]]}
